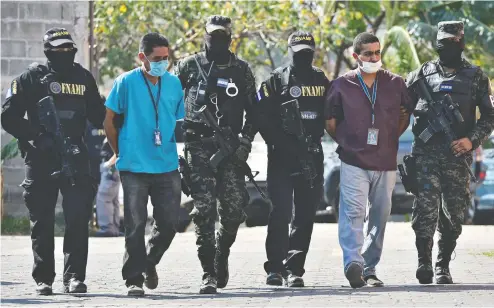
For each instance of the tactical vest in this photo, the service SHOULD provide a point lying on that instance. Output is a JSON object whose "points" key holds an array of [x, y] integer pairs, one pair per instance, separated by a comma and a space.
{"points": [[310, 96], [69, 94], [459, 87], [230, 110]]}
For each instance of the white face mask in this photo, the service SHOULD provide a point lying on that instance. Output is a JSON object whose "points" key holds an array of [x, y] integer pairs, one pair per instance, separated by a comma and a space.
{"points": [[370, 67]]}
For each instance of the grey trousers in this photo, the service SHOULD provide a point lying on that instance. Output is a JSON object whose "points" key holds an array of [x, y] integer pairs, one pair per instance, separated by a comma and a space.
{"points": [[165, 192], [359, 188], [107, 205]]}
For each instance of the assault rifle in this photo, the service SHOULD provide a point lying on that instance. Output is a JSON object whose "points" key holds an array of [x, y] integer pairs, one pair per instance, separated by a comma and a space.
{"points": [[49, 120], [228, 143], [442, 115]]}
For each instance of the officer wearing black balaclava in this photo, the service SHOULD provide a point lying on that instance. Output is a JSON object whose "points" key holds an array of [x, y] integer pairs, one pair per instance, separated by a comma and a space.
{"points": [[443, 181], [291, 98], [225, 84], [50, 155]]}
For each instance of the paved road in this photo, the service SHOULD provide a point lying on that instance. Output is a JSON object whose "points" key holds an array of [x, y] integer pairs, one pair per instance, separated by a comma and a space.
{"points": [[180, 274]]}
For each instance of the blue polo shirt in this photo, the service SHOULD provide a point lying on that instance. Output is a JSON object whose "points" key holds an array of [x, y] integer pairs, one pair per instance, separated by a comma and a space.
{"points": [[130, 97]]}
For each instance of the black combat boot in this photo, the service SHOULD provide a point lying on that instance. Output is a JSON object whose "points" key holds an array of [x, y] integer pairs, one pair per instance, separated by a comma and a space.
{"points": [[224, 240], [424, 249], [209, 284], [446, 248]]}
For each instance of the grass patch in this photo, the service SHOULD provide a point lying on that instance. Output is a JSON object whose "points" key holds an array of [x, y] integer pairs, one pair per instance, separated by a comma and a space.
{"points": [[489, 254], [16, 225], [22, 225]]}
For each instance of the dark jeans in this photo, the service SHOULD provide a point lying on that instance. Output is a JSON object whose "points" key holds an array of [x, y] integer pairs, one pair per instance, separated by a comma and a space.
{"points": [[40, 196], [287, 251], [164, 190]]}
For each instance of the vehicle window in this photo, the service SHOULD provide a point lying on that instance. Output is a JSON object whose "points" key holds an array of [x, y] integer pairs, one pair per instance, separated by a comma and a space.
{"points": [[486, 188], [327, 138], [407, 136]]}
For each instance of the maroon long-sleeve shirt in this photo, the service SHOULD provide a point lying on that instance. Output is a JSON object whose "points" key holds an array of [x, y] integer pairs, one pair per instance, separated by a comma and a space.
{"points": [[349, 105]]}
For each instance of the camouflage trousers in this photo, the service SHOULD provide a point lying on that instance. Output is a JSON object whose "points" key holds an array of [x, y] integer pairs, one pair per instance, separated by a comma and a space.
{"points": [[443, 194], [227, 186]]}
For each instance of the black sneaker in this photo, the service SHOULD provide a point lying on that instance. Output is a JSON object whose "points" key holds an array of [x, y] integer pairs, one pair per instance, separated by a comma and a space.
{"points": [[354, 274], [373, 281], [44, 289], [134, 290], [208, 285], [294, 281], [274, 279], [151, 278], [443, 276], [75, 286]]}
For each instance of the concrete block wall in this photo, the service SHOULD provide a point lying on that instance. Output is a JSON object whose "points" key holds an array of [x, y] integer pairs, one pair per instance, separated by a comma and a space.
{"points": [[23, 25]]}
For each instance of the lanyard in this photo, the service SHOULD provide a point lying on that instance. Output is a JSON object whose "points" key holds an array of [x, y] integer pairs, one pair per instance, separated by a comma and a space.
{"points": [[366, 91], [155, 102]]}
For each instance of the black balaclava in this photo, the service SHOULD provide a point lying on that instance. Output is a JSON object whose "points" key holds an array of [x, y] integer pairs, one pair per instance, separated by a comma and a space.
{"points": [[450, 43], [301, 48], [218, 39], [450, 52], [61, 61]]}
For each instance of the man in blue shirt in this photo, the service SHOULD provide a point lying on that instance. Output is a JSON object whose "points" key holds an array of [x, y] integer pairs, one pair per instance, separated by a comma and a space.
{"points": [[142, 109]]}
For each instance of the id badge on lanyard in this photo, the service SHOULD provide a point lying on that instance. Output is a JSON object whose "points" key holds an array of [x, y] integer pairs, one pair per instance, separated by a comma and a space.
{"points": [[372, 133], [157, 133]]}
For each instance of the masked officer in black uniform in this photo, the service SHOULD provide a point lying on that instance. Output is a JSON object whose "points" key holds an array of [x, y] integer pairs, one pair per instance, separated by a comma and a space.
{"points": [[76, 99], [295, 163], [229, 92], [443, 180]]}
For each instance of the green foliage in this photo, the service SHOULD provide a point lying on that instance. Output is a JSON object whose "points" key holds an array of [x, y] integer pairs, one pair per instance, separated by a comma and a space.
{"points": [[10, 150], [15, 225], [261, 29]]}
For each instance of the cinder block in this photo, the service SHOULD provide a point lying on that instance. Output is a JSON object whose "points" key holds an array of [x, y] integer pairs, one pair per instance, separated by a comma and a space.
{"points": [[5, 67], [27, 30], [13, 48], [40, 10], [10, 9], [16, 67], [68, 11], [35, 49], [6, 29]]}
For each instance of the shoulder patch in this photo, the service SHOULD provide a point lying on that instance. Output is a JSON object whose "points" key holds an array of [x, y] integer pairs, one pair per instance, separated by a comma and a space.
{"points": [[13, 87], [263, 92]]}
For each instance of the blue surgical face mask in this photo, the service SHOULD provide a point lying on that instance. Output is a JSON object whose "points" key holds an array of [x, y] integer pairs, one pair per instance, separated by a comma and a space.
{"points": [[158, 69]]}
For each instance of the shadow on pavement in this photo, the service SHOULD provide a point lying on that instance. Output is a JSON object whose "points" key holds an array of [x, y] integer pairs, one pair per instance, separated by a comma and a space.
{"points": [[269, 292], [8, 283]]}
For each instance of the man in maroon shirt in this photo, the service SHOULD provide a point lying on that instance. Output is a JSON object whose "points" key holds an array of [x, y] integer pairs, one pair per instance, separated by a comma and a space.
{"points": [[369, 108]]}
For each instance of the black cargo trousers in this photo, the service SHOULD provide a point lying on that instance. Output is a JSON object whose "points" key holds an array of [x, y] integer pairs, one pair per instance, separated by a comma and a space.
{"points": [[40, 196], [295, 203]]}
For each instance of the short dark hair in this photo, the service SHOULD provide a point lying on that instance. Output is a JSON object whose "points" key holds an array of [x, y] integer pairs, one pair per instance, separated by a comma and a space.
{"points": [[363, 38], [151, 40]]}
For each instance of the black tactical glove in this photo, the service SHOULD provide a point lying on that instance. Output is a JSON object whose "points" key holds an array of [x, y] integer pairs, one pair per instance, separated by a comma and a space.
{"points": [[44, 142], [244, 149]]}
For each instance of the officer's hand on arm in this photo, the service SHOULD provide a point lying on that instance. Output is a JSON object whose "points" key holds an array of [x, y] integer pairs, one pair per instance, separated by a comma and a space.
{"points": [[249, 130], [111, 162], [333, 111], [484, 99], [406, 107], [111, 130], [95, 104]]}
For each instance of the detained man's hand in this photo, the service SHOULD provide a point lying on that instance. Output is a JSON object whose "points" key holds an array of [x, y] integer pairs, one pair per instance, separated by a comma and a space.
{"points": [[461, 146]]}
